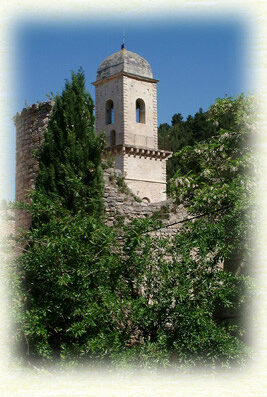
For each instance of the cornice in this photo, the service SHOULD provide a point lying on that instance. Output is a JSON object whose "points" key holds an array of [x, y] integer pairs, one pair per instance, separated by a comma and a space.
{"points": [[131, 75], [139, 151]]}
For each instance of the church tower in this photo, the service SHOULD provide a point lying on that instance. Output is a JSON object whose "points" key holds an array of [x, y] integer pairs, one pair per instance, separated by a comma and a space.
{"points": [[126, 110]]}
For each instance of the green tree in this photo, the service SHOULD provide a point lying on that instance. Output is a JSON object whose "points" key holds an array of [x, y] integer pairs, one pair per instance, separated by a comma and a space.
{"points": [[70, 157], [148, 302], [184, 133], [172, 305], [55, 273], [164, 136], [200, 127], [84, 293], [65, 285], [177, 118], [216, 180]]}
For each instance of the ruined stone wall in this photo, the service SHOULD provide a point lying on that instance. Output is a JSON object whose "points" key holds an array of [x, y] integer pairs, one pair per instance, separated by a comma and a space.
{"points": [[122, 205], [30, 126]]}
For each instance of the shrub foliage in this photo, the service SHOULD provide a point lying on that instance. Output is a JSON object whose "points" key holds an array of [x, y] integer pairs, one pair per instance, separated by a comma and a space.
{"points": [[82, 292]]}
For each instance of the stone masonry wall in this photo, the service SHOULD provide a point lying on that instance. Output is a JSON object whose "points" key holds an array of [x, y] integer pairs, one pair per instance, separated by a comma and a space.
{"points": [[120, 203], [30, 126]]}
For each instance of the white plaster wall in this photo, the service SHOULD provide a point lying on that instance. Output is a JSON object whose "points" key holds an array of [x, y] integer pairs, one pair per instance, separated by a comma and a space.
{"points": [[155, 192], [145, 168], [146, 177]]}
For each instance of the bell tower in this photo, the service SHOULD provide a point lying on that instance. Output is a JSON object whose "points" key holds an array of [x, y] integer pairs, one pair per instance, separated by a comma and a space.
{"points": [[126, 109]]}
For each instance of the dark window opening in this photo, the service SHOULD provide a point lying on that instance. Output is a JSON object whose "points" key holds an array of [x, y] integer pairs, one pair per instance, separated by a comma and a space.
{"points": [[140, 111], [109, 112], [112, 138]]}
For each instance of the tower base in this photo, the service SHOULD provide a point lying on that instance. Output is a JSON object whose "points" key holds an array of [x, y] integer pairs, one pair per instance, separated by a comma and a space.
{"points": [[144, 170]]}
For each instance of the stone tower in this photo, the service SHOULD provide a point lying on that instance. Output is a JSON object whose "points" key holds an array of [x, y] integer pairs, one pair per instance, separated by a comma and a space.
{"points": [[126, 109]]}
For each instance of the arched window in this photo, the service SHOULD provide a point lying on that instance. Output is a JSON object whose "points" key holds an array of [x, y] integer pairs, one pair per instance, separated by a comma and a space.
{"points": [[109, 112], [140, 111], [112, 138]]}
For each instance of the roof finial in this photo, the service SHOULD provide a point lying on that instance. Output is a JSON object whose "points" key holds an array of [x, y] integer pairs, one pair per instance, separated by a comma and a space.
{"points": [[123, 41]]}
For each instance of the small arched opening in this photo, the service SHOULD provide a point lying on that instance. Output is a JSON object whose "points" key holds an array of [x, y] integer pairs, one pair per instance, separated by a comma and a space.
{"points": [[140, 111], [112, 138], [146, 200], [109, 112]]}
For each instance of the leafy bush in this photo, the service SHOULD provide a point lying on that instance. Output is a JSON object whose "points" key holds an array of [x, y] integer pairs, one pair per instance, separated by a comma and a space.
{"points": [[83, 293]]}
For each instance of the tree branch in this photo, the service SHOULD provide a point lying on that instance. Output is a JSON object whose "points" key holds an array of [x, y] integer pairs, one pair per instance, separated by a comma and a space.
{"points": [[188, 219]]}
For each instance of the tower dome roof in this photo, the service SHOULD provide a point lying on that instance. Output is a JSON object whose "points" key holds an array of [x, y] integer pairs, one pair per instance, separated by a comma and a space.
{"points": [[124, 61]]}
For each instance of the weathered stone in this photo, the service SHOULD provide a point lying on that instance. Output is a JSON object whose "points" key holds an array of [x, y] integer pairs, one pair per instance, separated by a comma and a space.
{"points": [[125, 85], [31, 123]]}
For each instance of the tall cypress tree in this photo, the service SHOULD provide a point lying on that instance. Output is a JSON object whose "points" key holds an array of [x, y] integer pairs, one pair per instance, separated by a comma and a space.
{"points": [[64, 248], [70, 157]]}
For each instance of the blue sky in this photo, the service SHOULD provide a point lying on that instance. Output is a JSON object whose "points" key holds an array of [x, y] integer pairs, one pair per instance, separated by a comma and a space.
{"points": [[196, 60]]}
